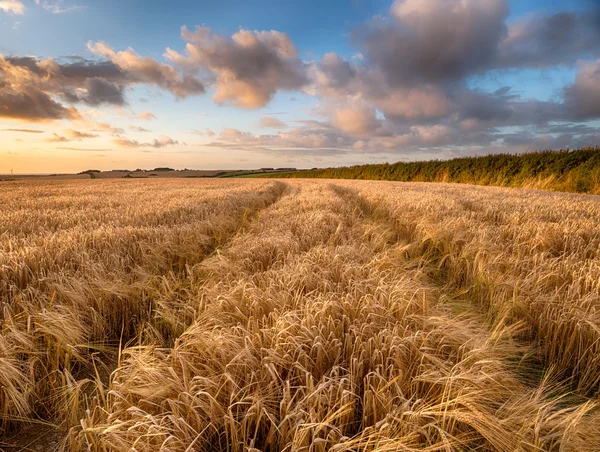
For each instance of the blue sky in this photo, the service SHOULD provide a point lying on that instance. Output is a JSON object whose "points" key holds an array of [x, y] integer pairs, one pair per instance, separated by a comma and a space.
{"points": [[336, 83]]}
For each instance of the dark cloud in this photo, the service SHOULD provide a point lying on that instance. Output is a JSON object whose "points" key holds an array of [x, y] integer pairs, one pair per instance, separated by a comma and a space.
{"points": [[101, 91], [527, 140], [544, 41], [335, 73], [574, 129], [31, 104], [28, 88], [434, 40], [499, 107], [582, 98], [75, 69]]}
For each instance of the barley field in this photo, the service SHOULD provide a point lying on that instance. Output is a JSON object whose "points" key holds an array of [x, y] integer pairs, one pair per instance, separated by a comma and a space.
{"points": [[297, 316]]}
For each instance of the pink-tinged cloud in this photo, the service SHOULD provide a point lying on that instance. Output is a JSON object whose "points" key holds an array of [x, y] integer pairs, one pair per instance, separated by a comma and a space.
{"points": [[148, 116], [106, 127], [249, 68], [70, 135], [77, 135], [149, 71], [357, 119], [160, 142], [269, 122], [321, 137], [138, 129], [55, 138]]}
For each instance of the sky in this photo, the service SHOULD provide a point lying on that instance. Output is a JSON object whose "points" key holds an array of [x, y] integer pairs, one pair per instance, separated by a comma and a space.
{"points": [[230, 84]]}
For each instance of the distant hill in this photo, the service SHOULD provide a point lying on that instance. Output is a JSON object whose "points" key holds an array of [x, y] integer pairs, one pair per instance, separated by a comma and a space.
{"points": [[564, 170], [156, 173]]}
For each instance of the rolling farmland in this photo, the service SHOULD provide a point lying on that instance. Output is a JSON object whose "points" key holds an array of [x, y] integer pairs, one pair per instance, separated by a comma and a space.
{"points": [[297, 315]]}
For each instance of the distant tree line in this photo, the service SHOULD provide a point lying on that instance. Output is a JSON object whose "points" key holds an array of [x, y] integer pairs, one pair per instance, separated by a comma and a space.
{"points": [[563, 170]]}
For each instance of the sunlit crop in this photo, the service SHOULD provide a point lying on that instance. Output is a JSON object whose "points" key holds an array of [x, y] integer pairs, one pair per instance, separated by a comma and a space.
{"points": [[260, 315]]}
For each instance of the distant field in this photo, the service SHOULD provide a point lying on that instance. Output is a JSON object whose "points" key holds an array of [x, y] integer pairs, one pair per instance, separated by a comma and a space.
{"points": [[143, 174], [298, 315], [117, 175]]}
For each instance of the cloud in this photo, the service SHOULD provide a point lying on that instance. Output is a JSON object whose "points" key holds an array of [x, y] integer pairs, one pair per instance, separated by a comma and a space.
{"points": [[209, 133], [311, 138], [159, 142], [446, 140], [12, 6], [55, 138], [82, 149], [146, 115], [125, 143], [27, 95], [77, 135], [97, 126], [249, 68], [23, 130], [273, 123], [69, 135], [149, 71], [540, 41], [138, 129], [56, 7], [406, 88], [163, 141], [355, 119], [36, 90], [583, 96], [410, 89], [337, 80], [434, 40], [101, 91]]}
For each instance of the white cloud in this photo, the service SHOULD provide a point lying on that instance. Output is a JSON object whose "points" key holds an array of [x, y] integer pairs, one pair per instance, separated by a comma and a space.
{"points": [[12, 6], [57, 6]]}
